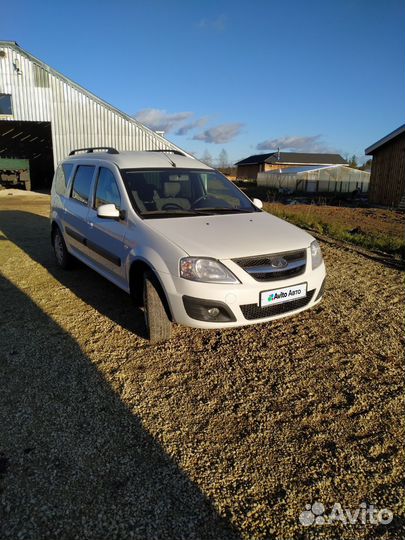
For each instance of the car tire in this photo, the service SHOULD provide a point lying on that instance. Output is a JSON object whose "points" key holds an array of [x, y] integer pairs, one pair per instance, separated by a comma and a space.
{"points": [[62, 256], [158, 324]]}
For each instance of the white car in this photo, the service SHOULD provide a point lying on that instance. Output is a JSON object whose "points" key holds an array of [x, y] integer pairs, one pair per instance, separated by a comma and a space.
{"points": [[182, 239]]}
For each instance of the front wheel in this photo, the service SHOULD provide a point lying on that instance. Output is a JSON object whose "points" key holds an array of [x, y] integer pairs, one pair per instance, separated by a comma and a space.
{"points": [[62, 256], [157, 322]]}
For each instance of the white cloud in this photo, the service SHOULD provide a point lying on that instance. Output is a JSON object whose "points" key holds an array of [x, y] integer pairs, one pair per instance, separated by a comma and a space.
{"points": [[181, 123], [199, 123], [222, 133], [161, 120], [296, 143]]}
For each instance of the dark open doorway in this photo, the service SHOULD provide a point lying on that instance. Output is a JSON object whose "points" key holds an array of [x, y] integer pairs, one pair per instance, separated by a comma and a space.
{"points": [[29, 141]]}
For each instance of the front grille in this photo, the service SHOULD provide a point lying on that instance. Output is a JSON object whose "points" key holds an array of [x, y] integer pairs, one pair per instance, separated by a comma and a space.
{"points": [[266, 267], [253, 311]]}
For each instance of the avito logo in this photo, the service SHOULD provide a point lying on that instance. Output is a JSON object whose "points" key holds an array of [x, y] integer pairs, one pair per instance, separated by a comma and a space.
{"points": [[277, 296]]}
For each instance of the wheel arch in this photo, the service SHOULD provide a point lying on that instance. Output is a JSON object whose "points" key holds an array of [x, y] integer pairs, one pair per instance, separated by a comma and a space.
{"points": [[139, 267]]}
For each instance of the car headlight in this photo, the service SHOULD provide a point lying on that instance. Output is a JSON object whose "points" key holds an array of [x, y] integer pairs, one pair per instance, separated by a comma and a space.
{"points": [[316, 254], [206, 270]]}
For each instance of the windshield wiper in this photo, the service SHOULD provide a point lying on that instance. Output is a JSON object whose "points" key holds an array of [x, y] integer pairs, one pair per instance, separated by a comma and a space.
{"points": [[169, 213], [224, 210]]}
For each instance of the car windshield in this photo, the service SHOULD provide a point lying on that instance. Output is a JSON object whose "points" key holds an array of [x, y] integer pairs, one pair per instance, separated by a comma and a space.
{"points": [[183, 192]]}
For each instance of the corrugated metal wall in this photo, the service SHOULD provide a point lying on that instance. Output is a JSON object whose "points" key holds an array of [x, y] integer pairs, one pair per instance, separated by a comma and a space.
{"points": [[78, 118]]}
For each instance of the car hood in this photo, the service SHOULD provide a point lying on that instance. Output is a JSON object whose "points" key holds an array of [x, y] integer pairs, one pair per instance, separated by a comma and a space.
{"points": [[232, 235]]}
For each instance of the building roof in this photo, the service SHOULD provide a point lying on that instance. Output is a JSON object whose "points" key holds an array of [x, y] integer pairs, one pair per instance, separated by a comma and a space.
{"points": [[393, 135], [294, 158], [253, 160]]}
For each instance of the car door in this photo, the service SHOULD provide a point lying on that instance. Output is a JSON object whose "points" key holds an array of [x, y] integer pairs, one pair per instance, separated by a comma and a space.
{"points": [[106, 235], [76, 210]]}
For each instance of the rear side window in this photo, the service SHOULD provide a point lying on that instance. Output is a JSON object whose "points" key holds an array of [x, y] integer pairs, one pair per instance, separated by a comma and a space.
{"points": [[107, 191], [82, 183], [62, 175]]}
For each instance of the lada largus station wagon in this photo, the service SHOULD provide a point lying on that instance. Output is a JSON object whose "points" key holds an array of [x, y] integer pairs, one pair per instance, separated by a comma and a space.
{"points": [[182, 239]]}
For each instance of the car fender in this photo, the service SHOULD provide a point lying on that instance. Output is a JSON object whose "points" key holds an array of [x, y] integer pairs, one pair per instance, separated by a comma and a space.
{"points": [[150, 257]]}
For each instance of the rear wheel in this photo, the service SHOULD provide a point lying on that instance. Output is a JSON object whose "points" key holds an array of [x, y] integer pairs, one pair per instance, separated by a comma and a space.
{"points": [[62, 256], [157, 322]]}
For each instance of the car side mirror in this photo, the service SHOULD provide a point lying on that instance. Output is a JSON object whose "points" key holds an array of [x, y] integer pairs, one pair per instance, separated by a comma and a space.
{"points": [[108, 211], [258, 203]]}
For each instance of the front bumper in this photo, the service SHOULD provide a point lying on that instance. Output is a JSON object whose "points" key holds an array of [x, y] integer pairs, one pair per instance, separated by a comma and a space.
{"points": [[241, 300]]}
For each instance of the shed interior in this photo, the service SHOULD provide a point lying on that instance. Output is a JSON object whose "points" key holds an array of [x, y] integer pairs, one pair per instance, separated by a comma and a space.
{"points": [[30, 141]]}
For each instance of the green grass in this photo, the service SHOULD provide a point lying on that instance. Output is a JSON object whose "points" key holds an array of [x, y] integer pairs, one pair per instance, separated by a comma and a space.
{"points": [[374, 241]]}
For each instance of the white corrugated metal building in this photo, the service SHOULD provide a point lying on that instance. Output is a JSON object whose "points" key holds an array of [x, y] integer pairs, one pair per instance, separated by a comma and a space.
{"points": [[44, 115]]}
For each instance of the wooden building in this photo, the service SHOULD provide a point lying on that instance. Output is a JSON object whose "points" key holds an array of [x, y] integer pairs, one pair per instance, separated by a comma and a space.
{"points": [[387, 182], [253, 165]]}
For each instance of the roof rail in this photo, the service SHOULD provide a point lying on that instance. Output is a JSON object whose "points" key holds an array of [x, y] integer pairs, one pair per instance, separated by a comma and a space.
{"points": [[172, 150], [109, 150]]}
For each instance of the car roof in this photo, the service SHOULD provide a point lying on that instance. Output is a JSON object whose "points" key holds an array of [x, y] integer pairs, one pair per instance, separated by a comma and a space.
{"points": [[139, 160]]}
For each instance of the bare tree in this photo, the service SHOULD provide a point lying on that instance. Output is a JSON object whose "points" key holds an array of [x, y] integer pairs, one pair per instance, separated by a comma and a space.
{"points": [[207, 158], [223, 160]]}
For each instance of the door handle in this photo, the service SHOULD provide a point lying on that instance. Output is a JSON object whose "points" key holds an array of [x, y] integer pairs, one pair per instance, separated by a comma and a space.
{"points": [[91, 223]]}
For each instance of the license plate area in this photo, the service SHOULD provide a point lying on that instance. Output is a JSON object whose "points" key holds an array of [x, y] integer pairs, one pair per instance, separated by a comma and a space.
{"points": [[282, 295]]}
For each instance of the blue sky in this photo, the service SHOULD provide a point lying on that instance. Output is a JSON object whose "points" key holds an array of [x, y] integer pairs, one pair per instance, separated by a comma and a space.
{"points": [[305, 75]]}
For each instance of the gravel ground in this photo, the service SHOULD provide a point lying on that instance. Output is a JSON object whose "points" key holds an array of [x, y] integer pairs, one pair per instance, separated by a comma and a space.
{"points": [[216, 435]]}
